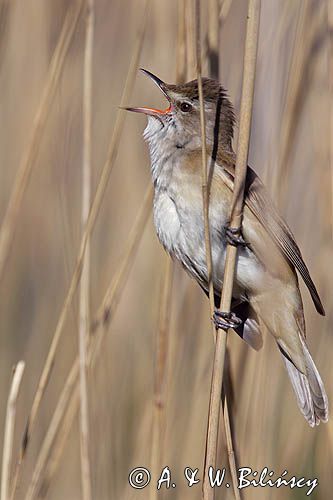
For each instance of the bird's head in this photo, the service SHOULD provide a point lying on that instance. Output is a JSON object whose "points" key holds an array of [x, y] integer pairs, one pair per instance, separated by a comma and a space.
{"points": [[179, 124]]}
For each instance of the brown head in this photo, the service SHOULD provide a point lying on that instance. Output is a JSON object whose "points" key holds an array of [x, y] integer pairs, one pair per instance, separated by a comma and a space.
{"points": [[179, 123]]}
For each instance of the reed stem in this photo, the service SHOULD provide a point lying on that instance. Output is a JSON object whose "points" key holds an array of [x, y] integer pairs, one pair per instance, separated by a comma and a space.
{"points": [[9, 430], [84, 323], [250, 55]]}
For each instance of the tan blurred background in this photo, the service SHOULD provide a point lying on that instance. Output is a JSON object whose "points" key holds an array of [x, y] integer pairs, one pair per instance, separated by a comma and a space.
{"points": [[290, 149]]}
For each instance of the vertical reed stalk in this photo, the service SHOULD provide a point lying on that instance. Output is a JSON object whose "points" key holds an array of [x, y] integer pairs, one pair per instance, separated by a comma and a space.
{"points": [[9, 430], [230, 449], [236, 220], [85, 279], [204, 174], [190, 40], [213, 38], [29, 156], [160, 377], [224, 10], [214, 69], [181, 43], [162, 340], [52, 431]]}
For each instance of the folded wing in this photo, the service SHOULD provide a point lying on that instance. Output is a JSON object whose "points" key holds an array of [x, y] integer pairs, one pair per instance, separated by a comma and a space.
{"points": [[260, 204]]}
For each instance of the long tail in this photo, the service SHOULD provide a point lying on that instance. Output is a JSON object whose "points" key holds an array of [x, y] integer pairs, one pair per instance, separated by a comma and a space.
{"points": [[309, 388]]}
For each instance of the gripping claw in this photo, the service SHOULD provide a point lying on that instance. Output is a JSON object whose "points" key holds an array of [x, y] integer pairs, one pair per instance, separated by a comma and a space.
{"points": [[234, 237], [226, 320]]}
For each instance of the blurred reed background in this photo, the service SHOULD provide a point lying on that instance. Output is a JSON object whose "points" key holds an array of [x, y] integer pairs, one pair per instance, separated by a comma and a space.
{"points": [[147, 397]]}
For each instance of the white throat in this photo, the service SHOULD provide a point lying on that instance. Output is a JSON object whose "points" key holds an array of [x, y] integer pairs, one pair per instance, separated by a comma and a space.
{"points": [[166, 146]]}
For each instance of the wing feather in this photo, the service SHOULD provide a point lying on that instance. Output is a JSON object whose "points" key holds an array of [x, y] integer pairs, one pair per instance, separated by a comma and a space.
{"points": [[260, 204]]}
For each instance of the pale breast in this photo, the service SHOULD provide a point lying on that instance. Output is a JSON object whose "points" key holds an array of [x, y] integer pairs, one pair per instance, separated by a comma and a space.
{"points": [[179, 229], [166, 220], [178, 218]]}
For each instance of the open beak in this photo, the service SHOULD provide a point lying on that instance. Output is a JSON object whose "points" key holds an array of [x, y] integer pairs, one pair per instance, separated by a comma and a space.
{"points": [[153, 111]]}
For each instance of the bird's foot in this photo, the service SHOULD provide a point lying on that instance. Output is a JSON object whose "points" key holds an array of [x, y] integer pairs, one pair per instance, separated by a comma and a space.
{"points": [[234, 237], [226, 320]]}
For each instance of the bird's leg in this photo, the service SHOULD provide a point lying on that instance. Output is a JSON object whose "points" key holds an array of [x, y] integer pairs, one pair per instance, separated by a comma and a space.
{"points": [[234, 237], [226, 320]]}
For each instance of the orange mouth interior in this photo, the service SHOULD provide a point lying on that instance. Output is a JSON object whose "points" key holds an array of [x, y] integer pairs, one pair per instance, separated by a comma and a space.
{"points": [[158, 111]]}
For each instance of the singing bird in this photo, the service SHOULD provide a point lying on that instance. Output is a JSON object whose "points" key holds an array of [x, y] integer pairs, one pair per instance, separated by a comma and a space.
{"points": [[266, 290]]}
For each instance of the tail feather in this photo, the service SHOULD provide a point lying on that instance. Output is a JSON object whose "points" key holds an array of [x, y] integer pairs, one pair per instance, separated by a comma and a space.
{"points": [[309, 388]]}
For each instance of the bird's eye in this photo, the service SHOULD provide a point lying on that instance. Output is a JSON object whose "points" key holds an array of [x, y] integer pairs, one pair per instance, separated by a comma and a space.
{"points": [[185, 106]]}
